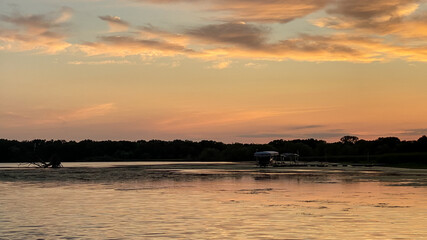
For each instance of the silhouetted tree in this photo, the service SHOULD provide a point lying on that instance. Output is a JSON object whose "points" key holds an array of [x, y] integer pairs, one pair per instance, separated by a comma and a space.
{"points": [[50, 152], [422, 139], [349, 139]]}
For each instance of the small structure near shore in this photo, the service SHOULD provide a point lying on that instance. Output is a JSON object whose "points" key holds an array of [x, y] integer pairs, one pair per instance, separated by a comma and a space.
{"points": [[266, 158]]}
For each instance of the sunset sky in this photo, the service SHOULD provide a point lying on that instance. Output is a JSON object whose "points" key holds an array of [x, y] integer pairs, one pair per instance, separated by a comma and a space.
{"points": [[226, 70]]}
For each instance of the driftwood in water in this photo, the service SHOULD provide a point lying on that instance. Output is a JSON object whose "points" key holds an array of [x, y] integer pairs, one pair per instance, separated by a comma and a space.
{"points": [[54, 162]]}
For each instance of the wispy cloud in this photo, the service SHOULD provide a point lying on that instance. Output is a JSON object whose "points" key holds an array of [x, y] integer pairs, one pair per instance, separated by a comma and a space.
{"points": [[149, 31], [41, 32], [33, 117], [255, 65], [115, 23], [414, 132], [86, 112], [200, 120], [231, 120], [221, 65], [241, 34], [321, 135], [99, 62], [396, 18], [267, 11], [301, 127], [130, 45], [10, 118]]}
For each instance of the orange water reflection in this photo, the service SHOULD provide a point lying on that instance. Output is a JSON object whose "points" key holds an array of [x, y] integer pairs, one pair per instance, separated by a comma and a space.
{"points": [[218, 208]]}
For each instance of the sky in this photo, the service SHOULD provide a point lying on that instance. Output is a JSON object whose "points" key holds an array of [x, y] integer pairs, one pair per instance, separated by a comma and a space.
{"points": [[226, 70]]}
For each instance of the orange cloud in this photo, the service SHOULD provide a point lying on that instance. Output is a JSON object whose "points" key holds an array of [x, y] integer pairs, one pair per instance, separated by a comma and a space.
{"points": [[372, 11], [282, 11], [128, 45], [221, 65], [86, 112], [99, 62], [266, 11], [380, 17], [48, 117], [194, 121], [42, 33]]}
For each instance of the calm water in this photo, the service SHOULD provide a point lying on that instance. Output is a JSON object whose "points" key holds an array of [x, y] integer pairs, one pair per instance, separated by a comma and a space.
{"points": [[211, 201]]}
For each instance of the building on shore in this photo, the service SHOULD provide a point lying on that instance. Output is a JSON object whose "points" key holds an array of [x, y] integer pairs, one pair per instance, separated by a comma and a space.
{"points": [[273, 158]]}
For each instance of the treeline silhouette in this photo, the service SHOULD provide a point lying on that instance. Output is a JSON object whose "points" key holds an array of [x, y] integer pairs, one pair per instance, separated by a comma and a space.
{"points": [[384, 150]]}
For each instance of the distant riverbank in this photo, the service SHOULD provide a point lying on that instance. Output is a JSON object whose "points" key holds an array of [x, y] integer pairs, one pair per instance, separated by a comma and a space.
{"points": [[388, 151]]}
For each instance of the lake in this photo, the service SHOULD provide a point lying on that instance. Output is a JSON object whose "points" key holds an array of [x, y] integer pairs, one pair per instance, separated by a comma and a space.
{"points": [[172, 200]]}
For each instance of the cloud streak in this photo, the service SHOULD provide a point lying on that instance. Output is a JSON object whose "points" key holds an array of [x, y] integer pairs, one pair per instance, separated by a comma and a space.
{"points": [[130, 45], [86, 112], [44, 33], [241, 34], [45, 120], [115, 23], [415, 132], [267, 11], [99, 62], [380, 17], [315, 135]]}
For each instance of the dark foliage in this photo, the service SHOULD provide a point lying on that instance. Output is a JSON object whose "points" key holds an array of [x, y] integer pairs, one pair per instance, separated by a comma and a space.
{"points": [[386, 150]]}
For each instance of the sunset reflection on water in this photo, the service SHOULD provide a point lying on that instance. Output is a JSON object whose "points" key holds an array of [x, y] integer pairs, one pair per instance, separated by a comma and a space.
{"points": [[245, 207]]}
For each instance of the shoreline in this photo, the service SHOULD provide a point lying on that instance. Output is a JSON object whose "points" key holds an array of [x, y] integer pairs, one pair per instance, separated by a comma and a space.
{"points": [[175, 171]]}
